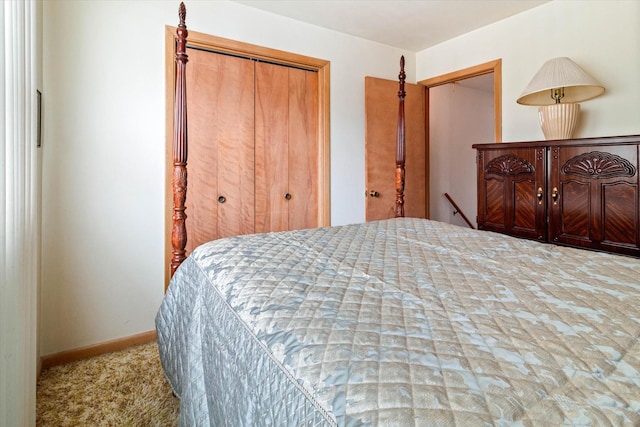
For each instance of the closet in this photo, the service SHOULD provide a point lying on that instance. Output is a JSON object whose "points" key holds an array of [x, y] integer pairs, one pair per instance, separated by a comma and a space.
{"points": [[253, 147]]}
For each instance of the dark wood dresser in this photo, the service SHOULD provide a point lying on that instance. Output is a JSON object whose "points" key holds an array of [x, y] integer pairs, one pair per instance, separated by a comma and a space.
{"points": [[576, 192]]}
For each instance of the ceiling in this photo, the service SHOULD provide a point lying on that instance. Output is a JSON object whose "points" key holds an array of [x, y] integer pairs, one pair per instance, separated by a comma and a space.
{"points": [[412, 25]]}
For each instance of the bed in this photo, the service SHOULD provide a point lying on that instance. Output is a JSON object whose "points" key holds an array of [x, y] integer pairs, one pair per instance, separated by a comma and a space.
{"points": [[403, 321]]}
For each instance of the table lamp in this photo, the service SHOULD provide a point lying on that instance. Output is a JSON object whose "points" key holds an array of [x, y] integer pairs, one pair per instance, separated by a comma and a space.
{"points": [[557, 88]]}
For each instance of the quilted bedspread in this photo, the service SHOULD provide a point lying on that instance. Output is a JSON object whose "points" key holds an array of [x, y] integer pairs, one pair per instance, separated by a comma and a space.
{"points": [[402, 322]]}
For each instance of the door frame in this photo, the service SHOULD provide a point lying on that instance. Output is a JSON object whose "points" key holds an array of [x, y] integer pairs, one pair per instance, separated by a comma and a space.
{"points": [[494, 67], [233, 47]]}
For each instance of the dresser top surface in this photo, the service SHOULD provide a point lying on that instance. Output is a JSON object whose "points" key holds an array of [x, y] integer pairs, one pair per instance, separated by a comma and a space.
{"points": [[607, 140]]}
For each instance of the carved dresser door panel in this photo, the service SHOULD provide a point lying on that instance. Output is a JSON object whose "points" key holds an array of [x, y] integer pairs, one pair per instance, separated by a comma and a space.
{"points": [[594, 196], [511, 189]]}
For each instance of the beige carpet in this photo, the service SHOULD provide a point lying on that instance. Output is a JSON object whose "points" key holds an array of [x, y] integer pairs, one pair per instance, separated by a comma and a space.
{"points": [[125, 388]]}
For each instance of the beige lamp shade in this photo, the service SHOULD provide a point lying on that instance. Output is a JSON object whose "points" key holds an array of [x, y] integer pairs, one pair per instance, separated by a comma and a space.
{"points": [[557, 88], [559, 73]]}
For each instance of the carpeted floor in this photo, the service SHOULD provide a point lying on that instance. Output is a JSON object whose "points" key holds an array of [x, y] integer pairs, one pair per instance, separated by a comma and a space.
{"points": [[125, 388]]}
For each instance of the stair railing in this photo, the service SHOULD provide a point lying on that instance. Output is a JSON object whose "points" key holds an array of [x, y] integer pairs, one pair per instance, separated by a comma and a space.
{"points": [[458, 210]]}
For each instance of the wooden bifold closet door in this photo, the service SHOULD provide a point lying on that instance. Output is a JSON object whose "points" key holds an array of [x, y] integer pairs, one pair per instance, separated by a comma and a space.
{"points": [[286, 145], [253, 147]]}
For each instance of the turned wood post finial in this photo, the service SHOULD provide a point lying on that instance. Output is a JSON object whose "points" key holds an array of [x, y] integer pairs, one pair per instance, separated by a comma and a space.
{"points": [[400, 144], [181, 35], [182, 14]]}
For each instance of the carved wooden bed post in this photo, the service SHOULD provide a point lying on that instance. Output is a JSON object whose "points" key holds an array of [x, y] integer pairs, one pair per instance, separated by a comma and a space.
{"points": [[400, 144], [179, 231]]}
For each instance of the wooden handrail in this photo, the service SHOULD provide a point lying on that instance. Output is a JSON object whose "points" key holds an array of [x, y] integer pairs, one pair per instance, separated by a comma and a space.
{"points": [[458, 210]]}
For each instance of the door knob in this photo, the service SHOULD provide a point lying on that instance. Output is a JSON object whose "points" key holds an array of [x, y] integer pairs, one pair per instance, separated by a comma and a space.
{"points": [[287, 196], [374, 194], [222, 199]]}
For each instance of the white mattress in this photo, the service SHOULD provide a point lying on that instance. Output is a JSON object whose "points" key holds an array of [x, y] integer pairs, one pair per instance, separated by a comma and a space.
{"points": [[402, 322]]}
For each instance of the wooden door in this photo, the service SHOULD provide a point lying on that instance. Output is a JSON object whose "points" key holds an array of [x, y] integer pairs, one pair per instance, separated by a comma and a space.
{"points": [[381, 118], [511, 191], [272, 147], [220, 100], [287, 149], [594, 198], [304, 150]]}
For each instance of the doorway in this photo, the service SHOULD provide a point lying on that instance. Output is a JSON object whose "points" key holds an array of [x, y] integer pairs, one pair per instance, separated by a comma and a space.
{"points": [[464, 109]]}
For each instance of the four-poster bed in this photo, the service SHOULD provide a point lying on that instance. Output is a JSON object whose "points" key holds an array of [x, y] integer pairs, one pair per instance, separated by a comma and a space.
{"points": [[395, 322]]}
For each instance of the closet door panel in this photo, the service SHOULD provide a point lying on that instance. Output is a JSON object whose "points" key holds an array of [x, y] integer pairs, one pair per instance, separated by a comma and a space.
{"points": [[236, 178], [221, 166], [272, 142], [304, 150], [202, 182], [234, 124]]}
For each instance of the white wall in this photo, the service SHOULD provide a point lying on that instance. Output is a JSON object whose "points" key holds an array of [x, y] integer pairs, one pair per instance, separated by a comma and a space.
{"points": [[104, 148], [103, 178], [603, 37], [459, 116]]}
